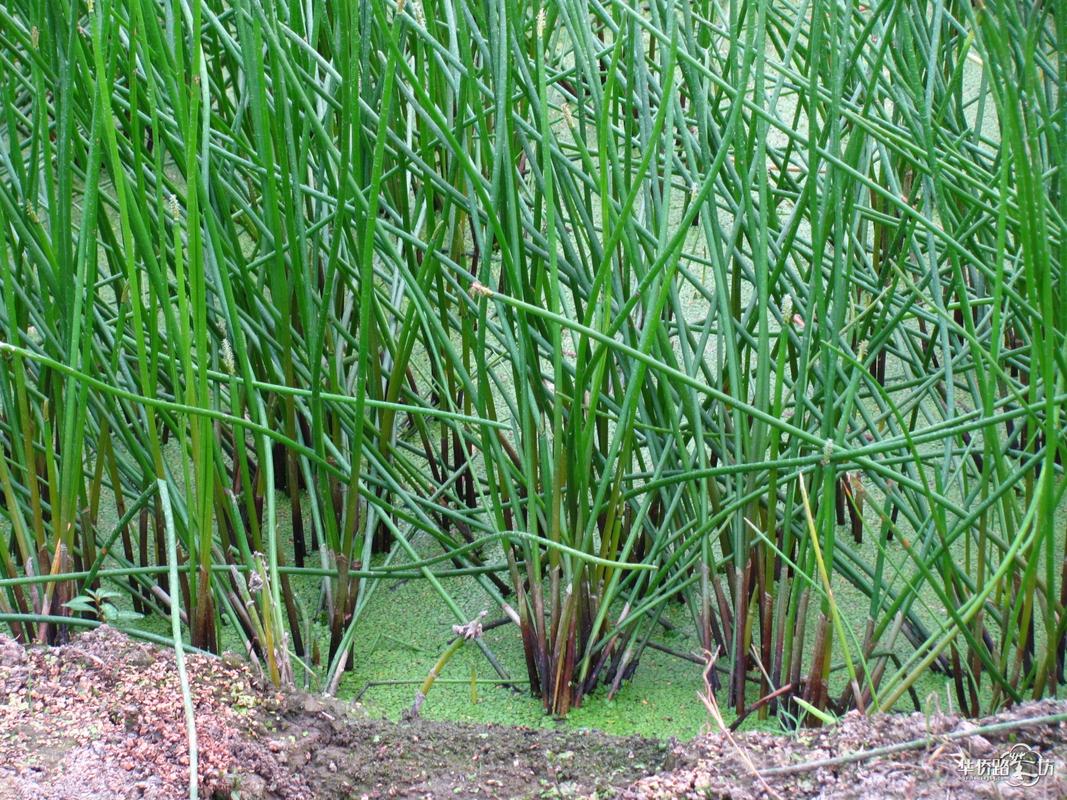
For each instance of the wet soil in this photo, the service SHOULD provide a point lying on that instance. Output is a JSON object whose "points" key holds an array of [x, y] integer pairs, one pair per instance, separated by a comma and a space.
{"points": [[930, 756], [101, 719]]}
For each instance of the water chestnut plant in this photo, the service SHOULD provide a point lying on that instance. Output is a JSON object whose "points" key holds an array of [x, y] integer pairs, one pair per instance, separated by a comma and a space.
{"points": [[609, 308]]}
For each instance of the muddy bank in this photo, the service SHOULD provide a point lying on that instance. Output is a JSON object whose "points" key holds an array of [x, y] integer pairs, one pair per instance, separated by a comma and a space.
{"points": [[888, 756], [101, 719]]}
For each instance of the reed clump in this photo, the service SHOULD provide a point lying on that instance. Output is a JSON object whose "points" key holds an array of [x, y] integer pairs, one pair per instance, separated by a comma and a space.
{"points": [[754, 308]]}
